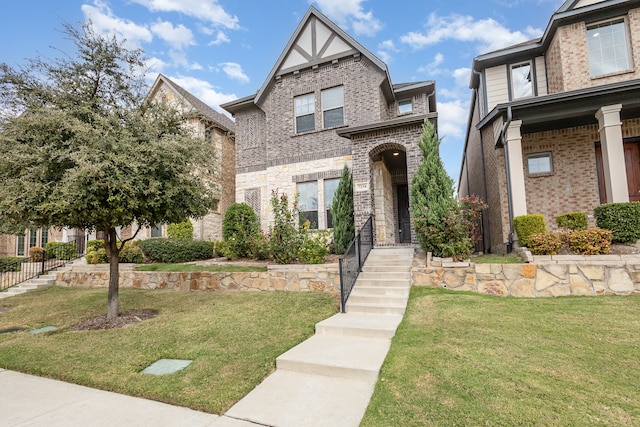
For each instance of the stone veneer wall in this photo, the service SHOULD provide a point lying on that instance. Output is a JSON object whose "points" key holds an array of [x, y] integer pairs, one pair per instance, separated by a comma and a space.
{"points": [[550, 276], [296, 278]]}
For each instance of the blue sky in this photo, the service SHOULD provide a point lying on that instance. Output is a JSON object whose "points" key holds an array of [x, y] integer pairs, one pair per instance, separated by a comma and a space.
{"points": [[221, 50]]}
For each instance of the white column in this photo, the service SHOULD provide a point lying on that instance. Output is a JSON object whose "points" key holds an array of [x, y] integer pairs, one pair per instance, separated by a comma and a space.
{"points": [[615, 173], [516, 169]]}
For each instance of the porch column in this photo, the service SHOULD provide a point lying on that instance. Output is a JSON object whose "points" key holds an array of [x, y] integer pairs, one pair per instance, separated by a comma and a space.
{"points": [[516, 169], [615, 173]]}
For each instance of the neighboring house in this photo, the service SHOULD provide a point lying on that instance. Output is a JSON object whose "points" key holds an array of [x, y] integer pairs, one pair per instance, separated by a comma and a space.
{"points": [[213, 126], [328, 102], [554, 125]]}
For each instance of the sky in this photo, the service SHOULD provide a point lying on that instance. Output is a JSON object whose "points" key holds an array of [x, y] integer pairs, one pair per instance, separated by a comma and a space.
{"points": [[221, 50]]}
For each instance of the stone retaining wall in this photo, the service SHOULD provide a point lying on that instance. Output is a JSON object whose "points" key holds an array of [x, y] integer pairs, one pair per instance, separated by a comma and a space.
{"points": [[548, 277], [323, 277]]}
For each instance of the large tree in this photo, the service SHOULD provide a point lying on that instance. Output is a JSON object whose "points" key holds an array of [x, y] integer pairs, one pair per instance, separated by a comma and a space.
{"points": [[82, 147]]}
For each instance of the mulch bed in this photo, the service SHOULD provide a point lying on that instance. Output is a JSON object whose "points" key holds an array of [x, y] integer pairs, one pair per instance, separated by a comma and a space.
{"points": [[126, 318]]}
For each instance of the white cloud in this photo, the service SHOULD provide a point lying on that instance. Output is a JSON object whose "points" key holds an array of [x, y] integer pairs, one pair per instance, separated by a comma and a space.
{"points": [[178, 37], [104, 21], [234, 71], [204, 10], [350, 14], [432, 67], [204, 91], [220, 38], [386, 49], [487, 33], [452, 119], [156, 65]]}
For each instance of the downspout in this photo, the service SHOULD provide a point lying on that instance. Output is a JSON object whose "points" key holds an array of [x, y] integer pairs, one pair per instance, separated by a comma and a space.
{"points": [[484, 170], [506, 164]]}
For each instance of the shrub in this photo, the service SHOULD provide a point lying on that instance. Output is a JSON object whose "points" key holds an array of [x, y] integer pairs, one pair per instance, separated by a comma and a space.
{"points": [[180, 230], [97, 256], [623, 219], [11, 263], [526, 225], [221, 248], [94, 245], [545, 243], [60, 250], [286, 236], [594, 241], [131, 253], [239, 226], [35, 253], [259, 246], [572, 221], [176, 250], [314, 248], [342, 213]]}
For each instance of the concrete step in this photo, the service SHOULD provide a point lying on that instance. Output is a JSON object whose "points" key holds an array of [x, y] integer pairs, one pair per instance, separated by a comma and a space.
{"points": [[375, 308], [293, 399], [392, 291], [377, 299], [386, 275], [374, 268], [360, 325], [331, 355], [403, 283], [16, 290], [388, 261]]}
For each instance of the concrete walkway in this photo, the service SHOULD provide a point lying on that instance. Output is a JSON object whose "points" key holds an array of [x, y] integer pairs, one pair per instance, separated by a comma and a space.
{"points": [[327, 380]]}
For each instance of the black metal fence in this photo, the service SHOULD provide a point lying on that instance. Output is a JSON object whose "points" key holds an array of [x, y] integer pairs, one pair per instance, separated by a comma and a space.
{"points": [[20, 270], [353, 259]]}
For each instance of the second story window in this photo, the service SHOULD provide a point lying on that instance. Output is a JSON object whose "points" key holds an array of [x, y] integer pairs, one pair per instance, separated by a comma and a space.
{"points": [[521, 86], [333, 107], [305, 106], [405, 106], [608, 47]]}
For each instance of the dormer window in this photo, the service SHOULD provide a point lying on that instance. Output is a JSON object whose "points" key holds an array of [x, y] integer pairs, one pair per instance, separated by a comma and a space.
{"points": [[521, 84], [608, 48], [405, 106], [305, 106]]}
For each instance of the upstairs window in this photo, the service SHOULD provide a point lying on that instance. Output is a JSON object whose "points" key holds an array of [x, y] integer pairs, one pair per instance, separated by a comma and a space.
{"points": [[305, 106], [608, 48], [405, 106], [333, 107], [521, 86]]}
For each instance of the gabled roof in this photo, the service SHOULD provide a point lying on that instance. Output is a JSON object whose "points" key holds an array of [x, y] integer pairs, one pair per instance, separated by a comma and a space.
{"points": [[200, 107], [571, 11], [317, 40]]}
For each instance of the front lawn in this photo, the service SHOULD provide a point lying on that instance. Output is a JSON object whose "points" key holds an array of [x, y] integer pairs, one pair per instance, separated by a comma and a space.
{"points": [[468, 359], [233, 339], [497, 259]]}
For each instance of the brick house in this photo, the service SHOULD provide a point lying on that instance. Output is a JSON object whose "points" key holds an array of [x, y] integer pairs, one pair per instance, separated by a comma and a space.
{"points": [[328, 102], [554, 124]]}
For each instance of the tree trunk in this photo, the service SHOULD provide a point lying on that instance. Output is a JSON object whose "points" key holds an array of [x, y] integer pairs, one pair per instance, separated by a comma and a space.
{"points": [[111, 245]]}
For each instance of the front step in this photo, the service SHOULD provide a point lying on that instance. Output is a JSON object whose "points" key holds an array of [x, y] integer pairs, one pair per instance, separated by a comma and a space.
{"points": [[360, 325], [392, 291], [39, 282], [337, 356], [375, 308], [400, 283], [386, 275]]}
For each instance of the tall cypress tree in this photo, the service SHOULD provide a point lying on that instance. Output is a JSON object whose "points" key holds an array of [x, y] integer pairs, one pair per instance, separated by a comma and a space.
{"points": [[342, 213], [431, 193]]}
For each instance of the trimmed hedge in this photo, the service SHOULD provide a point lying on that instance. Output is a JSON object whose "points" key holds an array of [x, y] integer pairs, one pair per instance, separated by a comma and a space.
{"points": [[239, 228], [60, 250], [545, 243], [572, 221], [97, 254], [180, 230], [527, 225], [594, 241], [623, 219], [176, 250], [11, 263]]}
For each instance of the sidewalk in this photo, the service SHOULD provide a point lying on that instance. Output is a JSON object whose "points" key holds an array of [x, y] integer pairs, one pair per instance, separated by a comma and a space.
{"points": [[33, 401]]}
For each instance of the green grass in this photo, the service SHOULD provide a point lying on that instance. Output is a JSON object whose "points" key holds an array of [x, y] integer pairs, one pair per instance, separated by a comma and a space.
{"points": [[497, 259], [468, 360], [192, 267], [233, 339]]}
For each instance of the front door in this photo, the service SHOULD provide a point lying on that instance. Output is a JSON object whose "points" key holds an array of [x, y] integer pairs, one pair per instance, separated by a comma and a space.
{"points": [[404, 219], [632, 165]]}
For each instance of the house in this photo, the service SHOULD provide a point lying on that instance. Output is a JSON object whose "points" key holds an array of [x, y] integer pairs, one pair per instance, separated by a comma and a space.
{"points": [[328, 102], [554, 123], [213, 126]]}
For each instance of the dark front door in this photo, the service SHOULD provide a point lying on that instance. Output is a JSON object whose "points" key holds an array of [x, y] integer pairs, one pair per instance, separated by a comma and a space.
{"points": [[632, 166], [404, 220]]}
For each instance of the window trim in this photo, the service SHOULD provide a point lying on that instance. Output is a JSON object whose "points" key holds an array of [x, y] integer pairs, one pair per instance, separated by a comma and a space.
{"points": [[609, 22], [511, 80], [540, 155], [312, 113], [409, 101], [323, 91]]}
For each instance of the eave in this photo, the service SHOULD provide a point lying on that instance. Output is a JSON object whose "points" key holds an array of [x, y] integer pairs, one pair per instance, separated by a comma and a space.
{"points": [[351, 131]]}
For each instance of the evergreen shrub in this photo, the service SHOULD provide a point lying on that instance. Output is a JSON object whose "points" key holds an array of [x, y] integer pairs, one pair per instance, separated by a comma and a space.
{"points": [[180, 230], [239, 227], [526, 225], [176, 250], [623, 219], [572, 221]]}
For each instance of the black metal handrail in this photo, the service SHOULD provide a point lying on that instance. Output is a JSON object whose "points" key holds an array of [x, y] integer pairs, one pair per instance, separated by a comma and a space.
{"points": [[22, 269], [351, 262]]}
